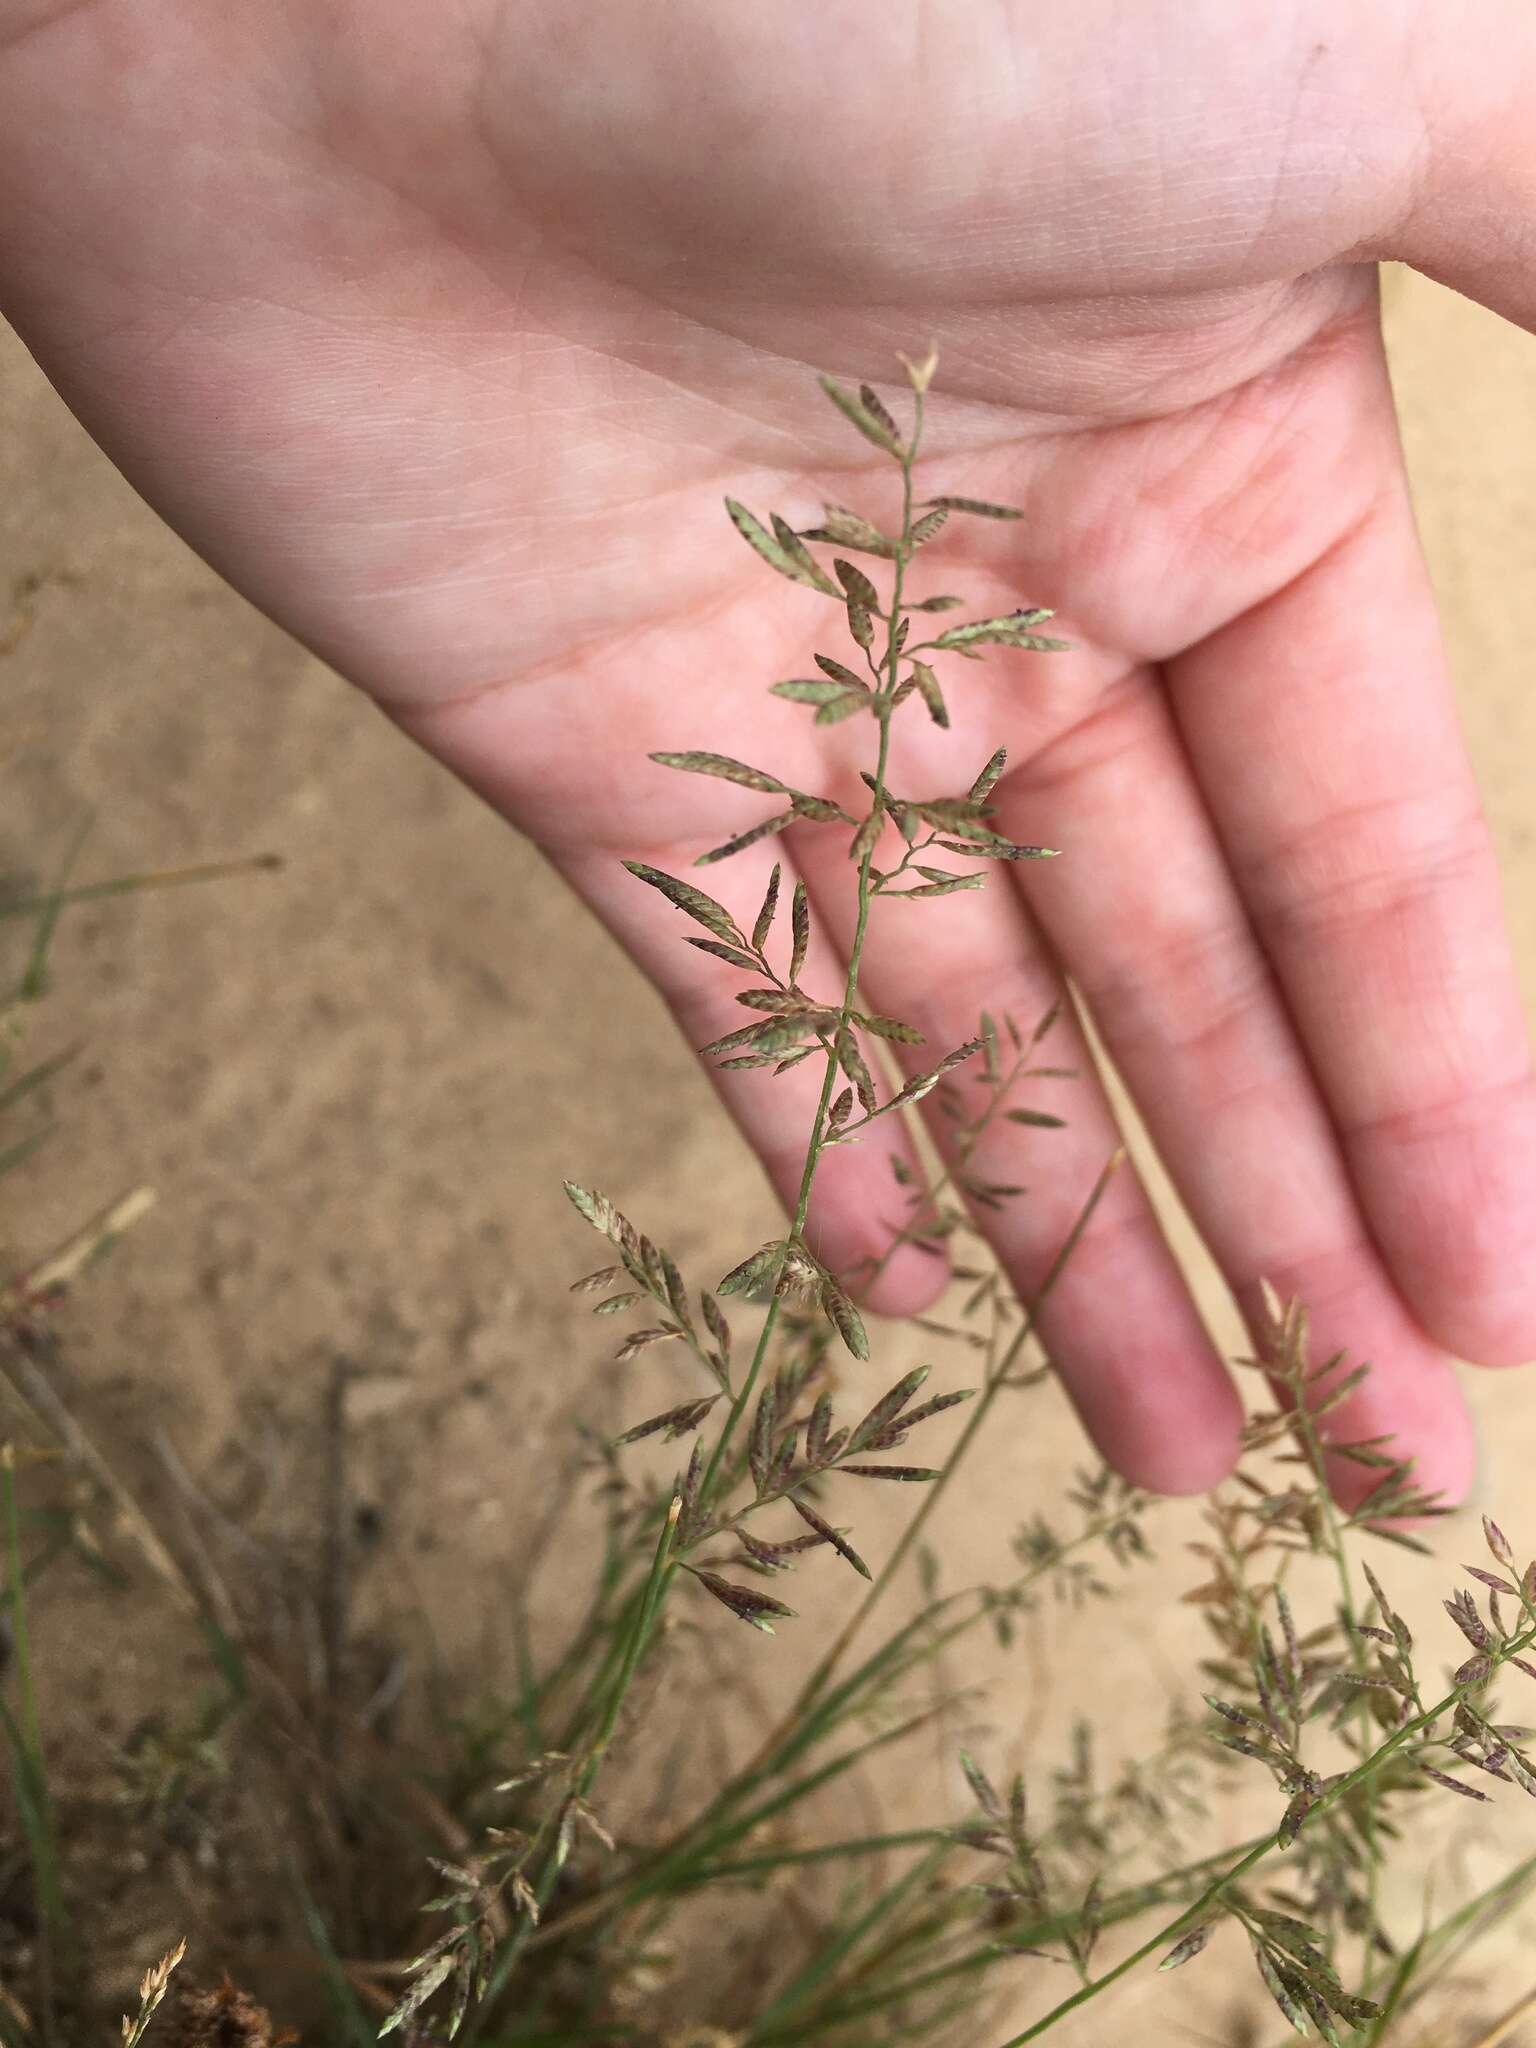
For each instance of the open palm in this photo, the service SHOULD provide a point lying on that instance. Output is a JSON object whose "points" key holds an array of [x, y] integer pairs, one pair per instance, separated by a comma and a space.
{"points": [[442, 333]]}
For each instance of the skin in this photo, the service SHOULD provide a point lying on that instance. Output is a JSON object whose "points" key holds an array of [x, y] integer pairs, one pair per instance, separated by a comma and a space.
{"points": [[442, 331]]}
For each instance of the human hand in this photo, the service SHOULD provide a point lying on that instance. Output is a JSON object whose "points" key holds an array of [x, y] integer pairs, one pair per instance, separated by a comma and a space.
{"points": [[441, 333]]}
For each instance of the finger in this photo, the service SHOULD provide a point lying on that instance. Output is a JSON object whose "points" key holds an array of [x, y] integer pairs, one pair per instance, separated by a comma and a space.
{"points": [[1147, 919], [1120, 1326], [1322, 728], [855, 1210]]}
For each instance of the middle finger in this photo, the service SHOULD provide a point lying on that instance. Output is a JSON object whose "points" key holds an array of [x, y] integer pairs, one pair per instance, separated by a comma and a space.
{"points": [[1120, 1325]]}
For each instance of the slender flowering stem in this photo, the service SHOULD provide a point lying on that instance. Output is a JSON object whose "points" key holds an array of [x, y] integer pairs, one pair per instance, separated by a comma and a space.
{"points": [[1211, 1896], [974, 1424], [633, 1647], [585, 1776], [817, 1142]]}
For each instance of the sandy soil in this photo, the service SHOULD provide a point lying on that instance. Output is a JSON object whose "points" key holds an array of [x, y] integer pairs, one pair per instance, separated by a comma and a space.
{"points": [[356, 1085]]}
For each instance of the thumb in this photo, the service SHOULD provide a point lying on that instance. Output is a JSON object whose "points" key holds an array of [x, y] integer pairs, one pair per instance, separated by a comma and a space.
{"points": [[1471, 222]]}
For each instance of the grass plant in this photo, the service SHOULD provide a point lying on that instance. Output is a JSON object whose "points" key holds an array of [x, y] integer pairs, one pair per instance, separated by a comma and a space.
{"points": [[560, 1909]]}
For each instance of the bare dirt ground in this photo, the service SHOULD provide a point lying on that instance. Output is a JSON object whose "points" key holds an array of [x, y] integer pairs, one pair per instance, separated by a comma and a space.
{"points": [[356, 1084]]}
